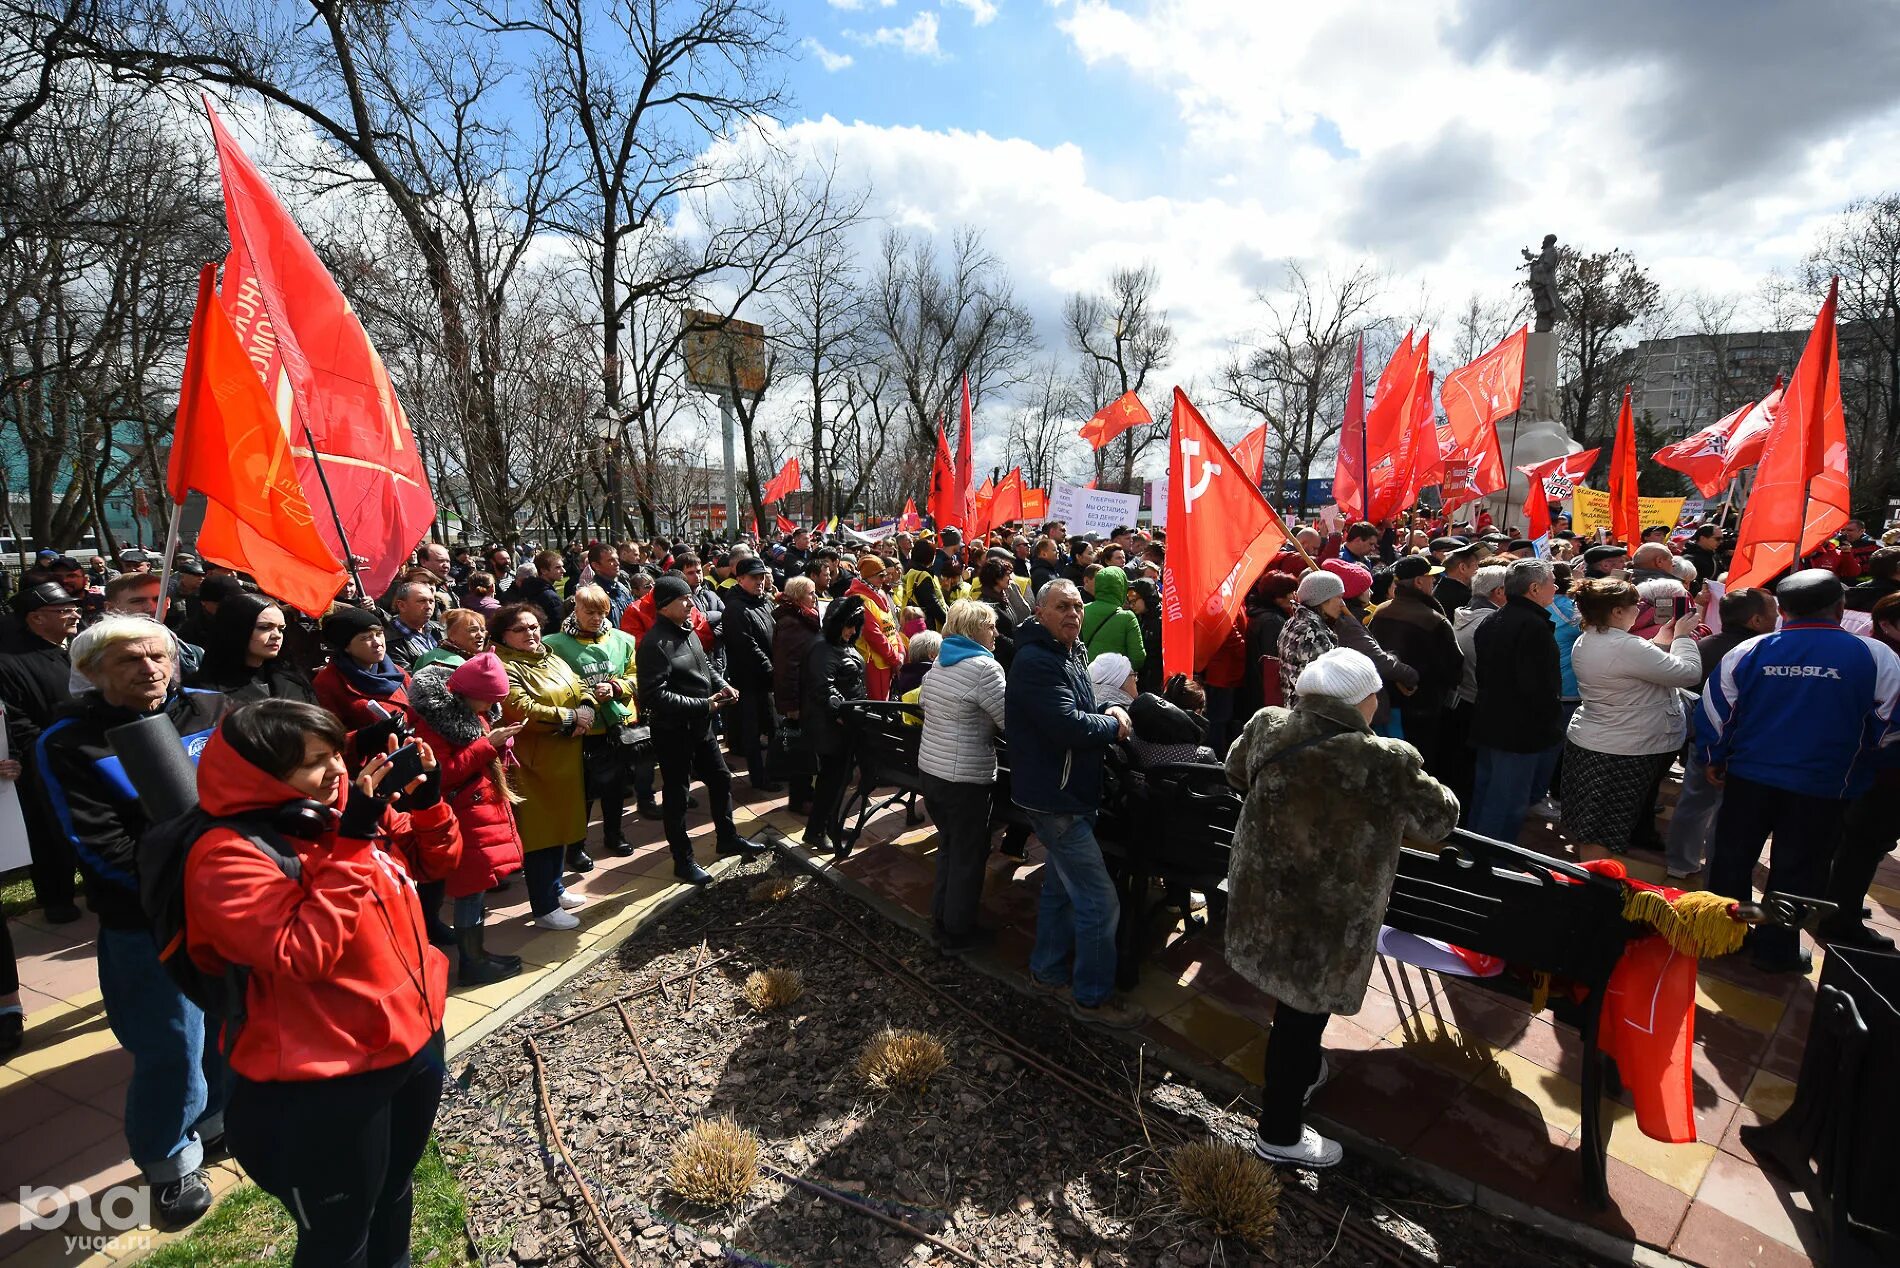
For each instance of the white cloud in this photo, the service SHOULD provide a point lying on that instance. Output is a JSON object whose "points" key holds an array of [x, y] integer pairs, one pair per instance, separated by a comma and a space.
{"points": [[859, 6], [982, 12], [832, 62], [917, 39]]}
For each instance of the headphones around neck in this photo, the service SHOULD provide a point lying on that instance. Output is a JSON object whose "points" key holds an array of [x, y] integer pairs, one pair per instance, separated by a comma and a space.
{"points": [[304, 819]]}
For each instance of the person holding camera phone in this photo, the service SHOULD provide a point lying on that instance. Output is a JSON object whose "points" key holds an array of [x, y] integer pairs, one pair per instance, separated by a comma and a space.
{"points": [[337, 1063], [680, 692], [1630, 723], [550, 697]]}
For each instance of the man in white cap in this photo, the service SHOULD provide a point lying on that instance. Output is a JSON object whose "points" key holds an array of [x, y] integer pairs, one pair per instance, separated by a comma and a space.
{"points": [[1327, 806]]}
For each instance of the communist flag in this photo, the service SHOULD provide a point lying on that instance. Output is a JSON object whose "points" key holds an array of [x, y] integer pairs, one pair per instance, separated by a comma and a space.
{"points": [[1221, 536], [944, 502], [1421, 435], [1114, 418], [1568, 468], [1717, 454], [1476, 396], [966, 495], [1250, 451], [331, 392], [910, 521], [1006, 503], [784, 525], [1625, 515], [1349, 484], [229, 446], [1392, 438], [1801, 491], [786, 481]]}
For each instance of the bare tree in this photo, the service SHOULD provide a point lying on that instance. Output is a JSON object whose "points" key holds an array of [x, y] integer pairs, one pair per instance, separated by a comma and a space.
{"points": [[1481, 324], [1292, 374], [1605, 295], [1042, 430], [1862, 248], [817, 318], [1125, 338]]}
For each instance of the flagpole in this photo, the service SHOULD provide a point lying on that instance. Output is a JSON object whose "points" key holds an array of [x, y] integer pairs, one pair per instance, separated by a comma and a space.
{"points": [[187, 408], [165, 566], [349, 556]]}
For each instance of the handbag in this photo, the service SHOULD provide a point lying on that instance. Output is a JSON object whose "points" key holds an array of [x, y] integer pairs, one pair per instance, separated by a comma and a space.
{"points": [[787, 754], [636, 743]]}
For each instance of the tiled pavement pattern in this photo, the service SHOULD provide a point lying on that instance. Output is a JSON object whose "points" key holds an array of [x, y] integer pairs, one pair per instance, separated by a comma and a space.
{"points": [[1467, 1081], [62, 1097], [1441, 1072]]}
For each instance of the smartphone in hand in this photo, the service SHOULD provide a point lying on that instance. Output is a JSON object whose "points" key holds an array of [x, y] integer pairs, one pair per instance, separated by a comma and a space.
{"points": [[405, 767]]}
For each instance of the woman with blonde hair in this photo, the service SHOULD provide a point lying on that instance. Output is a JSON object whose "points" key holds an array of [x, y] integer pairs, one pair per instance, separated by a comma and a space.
{"points": [[962, 700], [546, 694], [464, 634], [603, 657]]}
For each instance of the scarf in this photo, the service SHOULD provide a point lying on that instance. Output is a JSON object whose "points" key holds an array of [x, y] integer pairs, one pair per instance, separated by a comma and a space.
{"points": [[378, 681], [572, 628], [957, 648]]}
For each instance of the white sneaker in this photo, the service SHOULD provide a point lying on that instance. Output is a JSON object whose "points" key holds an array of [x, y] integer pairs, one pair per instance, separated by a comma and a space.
{"points": [[1319, 1080], [557, 919], [1313, 1151], [1547, 808], [570, 900]]}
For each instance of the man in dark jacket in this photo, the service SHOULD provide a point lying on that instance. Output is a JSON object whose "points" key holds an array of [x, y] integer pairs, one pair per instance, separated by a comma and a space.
{"points": [[176, 1101], [1704, 551], [679, 693], [1517, 724], [1045, 565], [1057, 740], [1882, 579], [747, 635], [542, 589], [1452, 590], [1413, 628], [35, 680]]}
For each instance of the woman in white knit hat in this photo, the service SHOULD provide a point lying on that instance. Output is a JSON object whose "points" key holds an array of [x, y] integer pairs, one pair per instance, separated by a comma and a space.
{"points": [[1328, 804]]}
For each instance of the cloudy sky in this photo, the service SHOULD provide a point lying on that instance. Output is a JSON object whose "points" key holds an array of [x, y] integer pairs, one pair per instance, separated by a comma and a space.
{"points": [[1219, 138]]}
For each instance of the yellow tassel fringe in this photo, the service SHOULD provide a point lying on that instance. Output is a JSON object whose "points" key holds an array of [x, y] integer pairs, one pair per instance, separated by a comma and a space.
{"points": [[1696, 924]]}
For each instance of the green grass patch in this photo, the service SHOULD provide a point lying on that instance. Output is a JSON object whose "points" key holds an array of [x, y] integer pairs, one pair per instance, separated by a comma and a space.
{"points": [[249, 1226], [16, 893]]}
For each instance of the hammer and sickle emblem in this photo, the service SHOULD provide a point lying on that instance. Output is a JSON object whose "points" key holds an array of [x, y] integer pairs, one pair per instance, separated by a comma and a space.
{"points": [[1192, 489]]}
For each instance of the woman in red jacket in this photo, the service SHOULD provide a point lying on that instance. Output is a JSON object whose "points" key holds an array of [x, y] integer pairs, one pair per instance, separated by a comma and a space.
{"points": [[360, 674], [453, 707], [337, 1066]]}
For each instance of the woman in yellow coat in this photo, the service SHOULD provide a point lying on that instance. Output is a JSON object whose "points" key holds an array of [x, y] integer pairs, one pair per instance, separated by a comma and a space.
{"points": [[545, 692]]}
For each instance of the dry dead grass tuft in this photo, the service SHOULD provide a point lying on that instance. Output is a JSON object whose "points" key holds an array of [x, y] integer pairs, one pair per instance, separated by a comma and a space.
{"points": [[768, 989], [1229, 1188], [773, 889], [715, 1164], [901, 1059]]}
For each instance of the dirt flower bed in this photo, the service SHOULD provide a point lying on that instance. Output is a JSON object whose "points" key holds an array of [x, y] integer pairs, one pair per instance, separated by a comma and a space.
{"points": [[1038, 1141]]}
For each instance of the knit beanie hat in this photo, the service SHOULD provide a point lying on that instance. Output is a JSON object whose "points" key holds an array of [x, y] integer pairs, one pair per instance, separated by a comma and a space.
{"points": [[344, 624], [1110, 670], [480, 678], [1317, 587], [870, 566], [1341, 674], [1354, 577], [669, 589]]}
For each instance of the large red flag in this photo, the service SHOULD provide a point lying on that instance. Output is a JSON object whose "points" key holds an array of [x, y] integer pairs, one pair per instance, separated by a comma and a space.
{"points": [[1114, 418], [1625, 515], [786, 481], [1551, 478], [228, 445], [327, 383], [1392, 444], [1420, 452], [944, 502], [1250, 451], [1221, 536], [1476, 396], [1007, 502], [1717, 454], [966, 462], [1801, 489], [980, 509], [1349, 484]]}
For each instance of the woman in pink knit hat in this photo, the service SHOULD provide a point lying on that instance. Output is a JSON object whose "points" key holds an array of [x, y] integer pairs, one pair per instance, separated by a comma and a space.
{"points": [[457, 712]]}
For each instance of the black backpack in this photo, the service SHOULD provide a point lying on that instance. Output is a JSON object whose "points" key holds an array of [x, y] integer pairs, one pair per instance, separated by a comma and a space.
{"points": [[162, 853]]}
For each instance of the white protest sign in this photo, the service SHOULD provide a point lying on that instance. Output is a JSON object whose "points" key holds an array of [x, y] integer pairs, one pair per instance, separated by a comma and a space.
{"points": [[14, 851], [1158, 502], [1092, 510]]}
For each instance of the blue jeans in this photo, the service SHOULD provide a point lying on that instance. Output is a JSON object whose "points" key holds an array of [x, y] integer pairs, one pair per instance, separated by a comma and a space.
{"points": [[542, 871], [179, 1079], [1078, 908], [1505, 786]]}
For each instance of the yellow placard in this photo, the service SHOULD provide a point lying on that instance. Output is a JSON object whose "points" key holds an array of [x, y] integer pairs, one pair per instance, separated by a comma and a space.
{"points": [[1591, 510]]}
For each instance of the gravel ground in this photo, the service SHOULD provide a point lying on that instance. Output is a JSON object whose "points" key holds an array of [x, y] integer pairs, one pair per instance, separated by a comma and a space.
{"points": [[1001, 1156]]}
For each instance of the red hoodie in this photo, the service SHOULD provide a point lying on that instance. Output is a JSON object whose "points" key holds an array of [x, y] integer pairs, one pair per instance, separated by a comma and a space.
{"points": [[639, 618], [343, 979]]}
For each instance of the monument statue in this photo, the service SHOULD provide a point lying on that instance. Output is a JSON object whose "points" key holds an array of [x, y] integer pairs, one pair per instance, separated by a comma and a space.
{"points": [[1543, 283]]}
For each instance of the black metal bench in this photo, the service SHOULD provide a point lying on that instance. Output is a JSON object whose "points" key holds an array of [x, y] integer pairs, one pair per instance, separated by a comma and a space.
{"points": [[1172, 825], [884, 736]]}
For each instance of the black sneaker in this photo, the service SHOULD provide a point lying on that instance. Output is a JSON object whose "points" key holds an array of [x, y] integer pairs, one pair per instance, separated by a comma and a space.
{"points": [[182, 1201], [579, 860], [60, 913]]}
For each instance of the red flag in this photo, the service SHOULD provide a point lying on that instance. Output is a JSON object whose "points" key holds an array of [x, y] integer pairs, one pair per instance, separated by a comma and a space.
{"points": [[1421, 435], [945, 499], [1801, 490], [1114, 418], [228, 445], [1475, 397], [1562, 472], [1090, 484], [980, 509], [784, 525], [910, 521], [1717, 454], [1392, 440], [321, 372], [1349, 484], [1221, 536], [1625, 516], [785, 482], [1007, 502], [752, 526], [1250, 451], [1035, 505], [966, 498]]}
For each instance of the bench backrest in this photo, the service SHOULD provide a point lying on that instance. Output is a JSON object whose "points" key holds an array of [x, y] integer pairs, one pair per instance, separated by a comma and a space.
{"points": [[884, 742]]}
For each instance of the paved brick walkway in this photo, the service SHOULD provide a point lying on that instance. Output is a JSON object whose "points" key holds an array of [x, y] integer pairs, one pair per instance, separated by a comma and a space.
{"points": [[1463, 1080]]}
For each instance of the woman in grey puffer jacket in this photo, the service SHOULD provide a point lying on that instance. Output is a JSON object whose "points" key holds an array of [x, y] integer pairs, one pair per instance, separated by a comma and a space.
{"points": [[962, 700]]}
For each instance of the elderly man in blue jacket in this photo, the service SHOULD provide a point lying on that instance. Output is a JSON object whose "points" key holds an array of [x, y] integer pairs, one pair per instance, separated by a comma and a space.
{"points": [[1057, 739], [1789, 728]]}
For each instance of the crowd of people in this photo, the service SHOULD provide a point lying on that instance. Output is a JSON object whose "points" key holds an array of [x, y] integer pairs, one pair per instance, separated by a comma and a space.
{"points": [[1378, 680]]}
